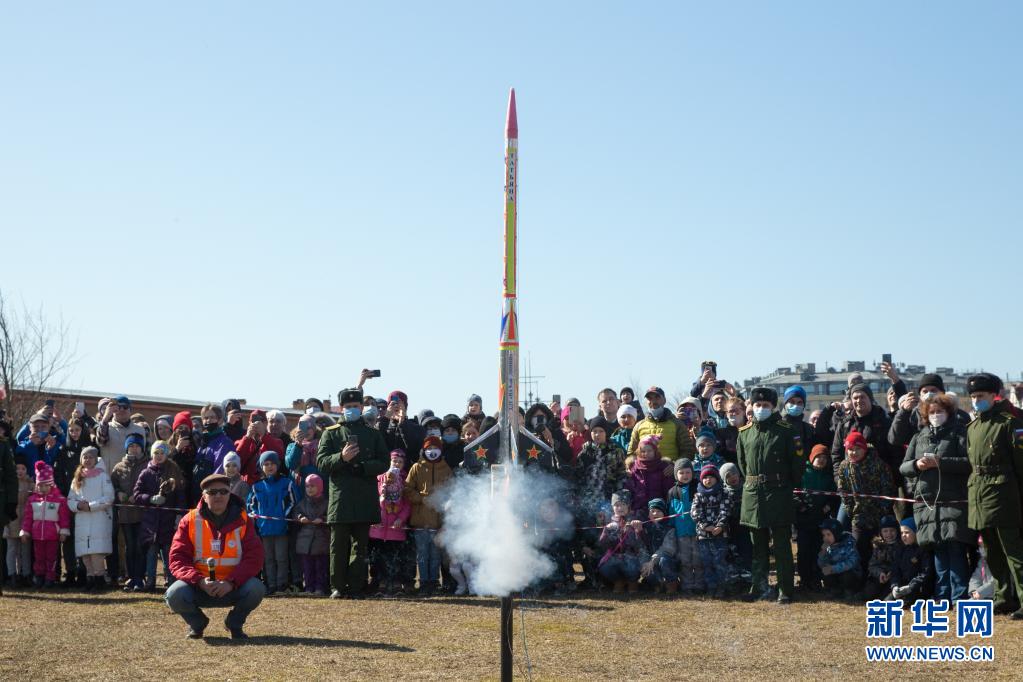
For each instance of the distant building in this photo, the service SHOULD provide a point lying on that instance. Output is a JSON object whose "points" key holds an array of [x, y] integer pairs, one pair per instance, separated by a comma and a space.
{"points": [[828, 386]]}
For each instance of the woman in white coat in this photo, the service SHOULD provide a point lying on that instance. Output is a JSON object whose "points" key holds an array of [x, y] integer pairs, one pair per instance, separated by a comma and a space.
{"points": [[91, 498]]}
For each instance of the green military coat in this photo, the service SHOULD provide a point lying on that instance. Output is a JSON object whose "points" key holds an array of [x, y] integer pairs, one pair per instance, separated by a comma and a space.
{"points": [[352, 486], [994, 446], [770, 456]]}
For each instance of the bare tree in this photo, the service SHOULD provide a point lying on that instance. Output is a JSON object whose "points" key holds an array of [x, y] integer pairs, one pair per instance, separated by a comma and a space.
{"points": [[36, 355]]}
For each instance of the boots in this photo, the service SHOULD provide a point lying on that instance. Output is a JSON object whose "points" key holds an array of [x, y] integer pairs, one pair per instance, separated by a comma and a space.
{"points": [[619, 587]]}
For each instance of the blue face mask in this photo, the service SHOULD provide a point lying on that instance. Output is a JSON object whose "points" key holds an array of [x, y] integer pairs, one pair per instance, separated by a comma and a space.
{"points": [[981, 405], [794, 410], [370, 413], [352, 414], [450, 437], [762, 413]]}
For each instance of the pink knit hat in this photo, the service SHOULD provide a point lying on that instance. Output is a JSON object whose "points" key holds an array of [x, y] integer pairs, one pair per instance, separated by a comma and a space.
{"points": [[315, 481], [44, 473]]}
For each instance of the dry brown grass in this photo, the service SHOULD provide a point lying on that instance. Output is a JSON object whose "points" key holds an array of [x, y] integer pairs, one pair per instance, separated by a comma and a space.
{"points": [[115, 636]]}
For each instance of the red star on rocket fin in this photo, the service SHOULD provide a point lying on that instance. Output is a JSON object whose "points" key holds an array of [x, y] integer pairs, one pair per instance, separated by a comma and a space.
{"points": [[481, 452], [533, 452]]}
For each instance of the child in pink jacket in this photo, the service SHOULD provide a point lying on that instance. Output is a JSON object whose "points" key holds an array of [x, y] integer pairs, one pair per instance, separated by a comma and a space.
{"points": [[46, 522], [387, 538]]}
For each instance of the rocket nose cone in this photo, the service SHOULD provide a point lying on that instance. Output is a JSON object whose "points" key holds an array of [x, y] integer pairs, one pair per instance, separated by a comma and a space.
{"points": [[511, 126]]}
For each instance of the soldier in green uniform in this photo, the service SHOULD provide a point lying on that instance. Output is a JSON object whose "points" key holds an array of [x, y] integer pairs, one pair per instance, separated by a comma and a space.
{"points": [[351, 455], [771, 459], [994, 445]]}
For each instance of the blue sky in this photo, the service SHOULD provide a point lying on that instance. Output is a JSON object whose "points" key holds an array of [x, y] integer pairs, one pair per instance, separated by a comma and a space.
{"points": [[259, 199]]}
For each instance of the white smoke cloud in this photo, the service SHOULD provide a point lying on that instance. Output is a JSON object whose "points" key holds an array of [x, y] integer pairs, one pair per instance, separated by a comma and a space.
{"points": [[491, 522]]}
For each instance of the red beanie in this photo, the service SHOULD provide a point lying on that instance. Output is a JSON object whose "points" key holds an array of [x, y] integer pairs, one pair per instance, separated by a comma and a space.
{"points": [[855, 439], [182, 419], [819, 450]]}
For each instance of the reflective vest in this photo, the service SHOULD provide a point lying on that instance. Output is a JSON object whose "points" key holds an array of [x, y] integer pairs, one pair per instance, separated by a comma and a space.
{"points": [[207, 542]]}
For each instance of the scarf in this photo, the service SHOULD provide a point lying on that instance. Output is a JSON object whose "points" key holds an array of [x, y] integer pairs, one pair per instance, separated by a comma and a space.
{"points": [[92, 472], [309, 448]]}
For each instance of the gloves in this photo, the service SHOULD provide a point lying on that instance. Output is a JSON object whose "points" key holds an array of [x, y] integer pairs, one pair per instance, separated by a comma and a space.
{"points": [[11, 511], [900, 592], [157, 500]]}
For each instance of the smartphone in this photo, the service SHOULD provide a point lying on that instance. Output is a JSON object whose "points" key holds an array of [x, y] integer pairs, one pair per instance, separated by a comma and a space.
{"points": [[886, 357], [50, 403], [352, 438], [374, 373], [576, 414], [556, 398], [80, 408], [708, 364]]}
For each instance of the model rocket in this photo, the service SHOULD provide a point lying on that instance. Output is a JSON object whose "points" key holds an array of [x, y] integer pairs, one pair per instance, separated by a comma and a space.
{"points": [[508, 426]]}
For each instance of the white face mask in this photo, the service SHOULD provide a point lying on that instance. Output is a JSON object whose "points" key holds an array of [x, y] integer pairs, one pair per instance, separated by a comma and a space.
{"points": [[432, 454], [735, 420], [937, 419]]}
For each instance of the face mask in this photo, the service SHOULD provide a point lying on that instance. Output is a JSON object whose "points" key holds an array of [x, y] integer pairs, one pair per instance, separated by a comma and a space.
{"points": [[433, 454], [981, 405], [370, 413], [928, 396], [539, 422], [734, 420], [762, 413], [433, 432], [658, 412], [352, 414], [794, 410], [450, 437], [211, 427], [937, 419]]}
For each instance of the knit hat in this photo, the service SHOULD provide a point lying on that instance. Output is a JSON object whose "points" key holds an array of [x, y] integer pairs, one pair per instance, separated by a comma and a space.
{"points": [[709, 470], [451, 421], [855, 439], [474, 399], [398, 452], [317, 403], [269, 456], [44, 472], [764, 393], [432, 442], [861, 388], [622, 496], [909, 522], [889, 521], [183, 418], [233, 457], [818, 450], [160, 446], [165, 418], [627, 409], [428, 417], [706, 435], [652, 440], [314, 481], [397, 396], [986, 382], [795, 391], [932, 380], [657, 503], [727, 469], [833, 525], [257, 416], [683, 463], [134, 439]]}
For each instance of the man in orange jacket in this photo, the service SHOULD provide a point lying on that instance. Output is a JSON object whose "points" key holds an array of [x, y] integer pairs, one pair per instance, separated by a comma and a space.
{"points": [[216, 557]]}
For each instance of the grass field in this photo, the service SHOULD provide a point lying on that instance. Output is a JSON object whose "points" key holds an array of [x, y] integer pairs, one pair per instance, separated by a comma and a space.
{"points": [[116, 636]]}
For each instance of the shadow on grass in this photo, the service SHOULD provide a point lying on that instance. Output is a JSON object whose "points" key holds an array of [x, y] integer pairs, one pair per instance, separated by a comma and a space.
{"points": [[320, 642], [65, 598]]}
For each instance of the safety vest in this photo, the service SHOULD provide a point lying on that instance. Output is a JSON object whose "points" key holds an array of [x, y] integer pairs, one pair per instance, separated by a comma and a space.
{"points": [[225, 550]]}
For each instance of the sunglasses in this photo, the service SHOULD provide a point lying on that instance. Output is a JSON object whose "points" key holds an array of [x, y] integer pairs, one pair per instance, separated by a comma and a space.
{"points": [[217, 491]]}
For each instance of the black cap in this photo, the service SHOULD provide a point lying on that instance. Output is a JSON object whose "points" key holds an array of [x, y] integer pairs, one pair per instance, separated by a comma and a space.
{"points": [[932, 380], [985, 381], [764, 393], [861, 388]]}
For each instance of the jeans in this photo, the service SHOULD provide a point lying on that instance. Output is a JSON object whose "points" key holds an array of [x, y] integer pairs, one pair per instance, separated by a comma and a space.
{"points": [[427, 556], [620, 567], [690, 563], [275, 561], [152, 550], [19, 557], [134, 557], [951, 570], [714, 556], [186, 600]]}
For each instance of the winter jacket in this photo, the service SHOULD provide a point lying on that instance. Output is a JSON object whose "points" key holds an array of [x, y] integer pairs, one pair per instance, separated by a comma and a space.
{"points": [[563, 456], [994, 443], [110, 437], [870, 476], [124, 477], [407, 435], [391, 513], [675, 442], [424, 479], [913, 567], [193, 471], [661, 539], [312, 538], [32, 453], [249, 451], [728, 439], [680, 504], [182, 552], [621, 437], [906, 424], [882, 556], [598, 472], [772, 467], [239, 488], [806, 437], [273, 497], [293, 461], [711, 509], [158, 522], [647, 480], [947, 484], [24, 488], [46, 517], [811, 509], [352, 485], [9, 501], [700, 462], [66, 462], [213, 448], [841, 556], [93, 528], [622, 540], [874, 427]]}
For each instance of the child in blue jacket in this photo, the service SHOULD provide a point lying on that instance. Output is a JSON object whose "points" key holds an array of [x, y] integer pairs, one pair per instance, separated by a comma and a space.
{"points": [[273, 496], [838, 560]]}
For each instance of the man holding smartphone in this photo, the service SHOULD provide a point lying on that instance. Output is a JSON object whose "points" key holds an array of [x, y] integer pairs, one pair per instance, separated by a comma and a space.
{"points": [[350, 456]]}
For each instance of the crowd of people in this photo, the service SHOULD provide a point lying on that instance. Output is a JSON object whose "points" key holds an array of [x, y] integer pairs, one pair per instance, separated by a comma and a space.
{"points": [[907, 498]]}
